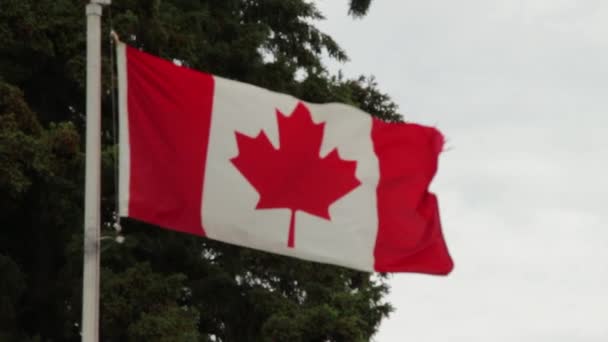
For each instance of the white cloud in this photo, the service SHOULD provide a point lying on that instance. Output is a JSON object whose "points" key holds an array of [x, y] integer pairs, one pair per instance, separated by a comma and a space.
{"points": [[520, 88]]}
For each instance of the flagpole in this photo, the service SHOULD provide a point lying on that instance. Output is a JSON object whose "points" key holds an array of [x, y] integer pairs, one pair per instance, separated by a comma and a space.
{"points": [[90, 278]]}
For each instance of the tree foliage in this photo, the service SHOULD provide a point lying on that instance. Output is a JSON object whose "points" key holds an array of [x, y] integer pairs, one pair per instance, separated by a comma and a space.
{"points": [[159, 285]]}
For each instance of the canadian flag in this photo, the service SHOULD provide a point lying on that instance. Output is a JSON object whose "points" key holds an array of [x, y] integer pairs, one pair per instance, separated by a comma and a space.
{"points": [[237, 163]]}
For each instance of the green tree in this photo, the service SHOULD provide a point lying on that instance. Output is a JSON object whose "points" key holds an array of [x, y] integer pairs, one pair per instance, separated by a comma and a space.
{"points": [[358, 8], [159, 285], [40, 187]]}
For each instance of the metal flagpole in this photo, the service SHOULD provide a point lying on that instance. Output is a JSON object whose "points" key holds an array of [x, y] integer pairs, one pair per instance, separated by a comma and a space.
{"points": [[90, 279]]}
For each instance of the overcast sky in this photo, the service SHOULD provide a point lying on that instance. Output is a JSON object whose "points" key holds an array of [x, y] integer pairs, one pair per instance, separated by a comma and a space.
{"points": [[520, 89]]}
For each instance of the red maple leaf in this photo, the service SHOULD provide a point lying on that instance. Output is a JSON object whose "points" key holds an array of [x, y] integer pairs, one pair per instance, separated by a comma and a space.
{"points": [[294, 176]]}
